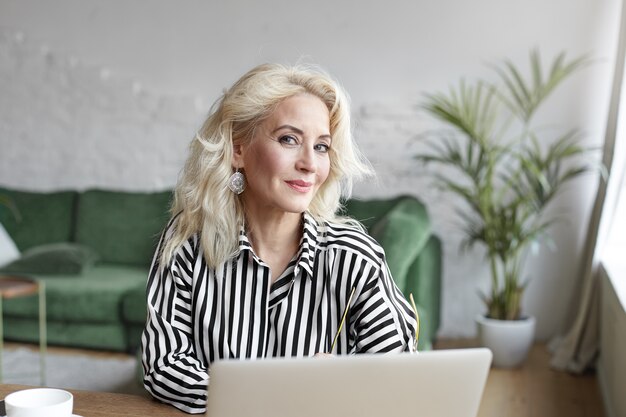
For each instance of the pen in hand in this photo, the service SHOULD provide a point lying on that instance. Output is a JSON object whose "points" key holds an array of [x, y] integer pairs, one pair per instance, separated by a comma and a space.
{"points": [[417, 317], [343, 319]]}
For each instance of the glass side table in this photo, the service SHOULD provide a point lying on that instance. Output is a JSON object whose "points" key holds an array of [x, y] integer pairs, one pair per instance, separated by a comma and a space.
{"points": [[14, 287]]}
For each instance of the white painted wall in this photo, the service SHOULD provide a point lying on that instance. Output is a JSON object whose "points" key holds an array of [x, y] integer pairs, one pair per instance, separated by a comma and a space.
{"points": [[108, 94]]}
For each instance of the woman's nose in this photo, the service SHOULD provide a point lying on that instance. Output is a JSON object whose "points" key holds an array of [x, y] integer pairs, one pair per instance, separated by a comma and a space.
{"points": [[306, 159]]}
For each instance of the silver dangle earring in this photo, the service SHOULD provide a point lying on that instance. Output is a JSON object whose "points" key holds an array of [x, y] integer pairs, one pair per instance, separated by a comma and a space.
{"points": [[237, 182]]}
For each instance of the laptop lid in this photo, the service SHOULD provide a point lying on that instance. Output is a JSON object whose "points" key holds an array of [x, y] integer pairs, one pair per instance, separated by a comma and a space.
{"points": [[440, 383]]}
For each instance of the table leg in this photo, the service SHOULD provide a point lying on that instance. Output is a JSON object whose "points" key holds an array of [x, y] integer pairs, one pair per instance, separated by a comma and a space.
{"points": [[1, 338], [42, 333]]}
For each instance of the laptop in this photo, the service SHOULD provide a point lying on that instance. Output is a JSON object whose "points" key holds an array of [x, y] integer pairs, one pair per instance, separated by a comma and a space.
{"points": [[440, 383]]}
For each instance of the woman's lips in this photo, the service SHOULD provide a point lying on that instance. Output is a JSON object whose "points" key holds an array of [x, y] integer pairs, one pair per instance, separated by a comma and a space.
{"points": [[300, 186]]}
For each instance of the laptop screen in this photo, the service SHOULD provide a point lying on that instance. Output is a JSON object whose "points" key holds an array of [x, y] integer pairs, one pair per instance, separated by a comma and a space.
{"points": [[440, 383]]}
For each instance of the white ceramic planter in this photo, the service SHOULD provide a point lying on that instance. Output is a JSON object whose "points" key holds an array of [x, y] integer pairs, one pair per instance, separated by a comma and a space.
{"points": [[508, 340]]}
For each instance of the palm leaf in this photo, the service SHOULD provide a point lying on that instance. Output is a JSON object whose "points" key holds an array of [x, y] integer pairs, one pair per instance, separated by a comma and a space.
{"points": [[470, 109], [524, 97]]}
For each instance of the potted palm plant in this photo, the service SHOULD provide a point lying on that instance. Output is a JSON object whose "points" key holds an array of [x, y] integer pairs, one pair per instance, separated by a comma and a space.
{"points": [[506, 172]]}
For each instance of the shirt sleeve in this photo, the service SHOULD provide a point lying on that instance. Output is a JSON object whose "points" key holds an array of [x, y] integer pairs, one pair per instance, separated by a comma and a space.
{"points": [[173, 373], [384, 321]]}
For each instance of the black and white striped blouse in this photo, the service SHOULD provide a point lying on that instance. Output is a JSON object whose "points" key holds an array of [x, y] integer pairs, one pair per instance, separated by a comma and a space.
{"points": [[197, 314]]}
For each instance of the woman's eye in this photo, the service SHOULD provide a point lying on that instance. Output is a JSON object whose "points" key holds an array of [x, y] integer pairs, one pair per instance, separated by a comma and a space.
{"points": [[288, 140], [322, 147]]}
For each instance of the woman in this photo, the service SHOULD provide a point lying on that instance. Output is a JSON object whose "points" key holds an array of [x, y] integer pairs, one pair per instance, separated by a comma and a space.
{"points": [[255, 263]]}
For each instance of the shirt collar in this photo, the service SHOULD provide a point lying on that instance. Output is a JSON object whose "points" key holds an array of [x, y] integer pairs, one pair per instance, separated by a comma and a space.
{"points": [[308, 244]]}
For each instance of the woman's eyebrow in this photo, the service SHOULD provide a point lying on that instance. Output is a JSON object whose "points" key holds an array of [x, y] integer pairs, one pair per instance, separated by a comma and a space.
{"points": [[290, 127], [298, 131]]}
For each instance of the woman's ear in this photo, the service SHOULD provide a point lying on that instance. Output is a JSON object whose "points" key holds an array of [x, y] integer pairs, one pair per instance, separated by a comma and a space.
{"points": [[237, 156]]}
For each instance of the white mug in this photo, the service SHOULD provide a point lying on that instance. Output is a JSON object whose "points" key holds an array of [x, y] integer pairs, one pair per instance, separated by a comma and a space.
{"points": [[39, 402]]}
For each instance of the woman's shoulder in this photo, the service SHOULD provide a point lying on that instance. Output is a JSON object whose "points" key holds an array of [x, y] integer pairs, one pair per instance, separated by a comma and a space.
{"points": [[351, 237], [190, 244]]}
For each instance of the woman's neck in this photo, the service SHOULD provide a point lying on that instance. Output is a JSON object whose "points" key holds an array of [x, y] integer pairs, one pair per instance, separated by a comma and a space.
{"points": [[275, 238]]}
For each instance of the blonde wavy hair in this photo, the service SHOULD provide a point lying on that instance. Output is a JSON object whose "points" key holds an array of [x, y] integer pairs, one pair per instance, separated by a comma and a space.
{"points": [[202, 201]]}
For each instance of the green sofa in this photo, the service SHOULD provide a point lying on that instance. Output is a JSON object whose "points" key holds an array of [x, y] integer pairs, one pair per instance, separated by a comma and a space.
{"points": [[97, 300], [84, 308]]}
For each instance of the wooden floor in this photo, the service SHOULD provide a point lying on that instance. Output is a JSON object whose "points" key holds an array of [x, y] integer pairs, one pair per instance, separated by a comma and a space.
{"points": [[536, 390]]}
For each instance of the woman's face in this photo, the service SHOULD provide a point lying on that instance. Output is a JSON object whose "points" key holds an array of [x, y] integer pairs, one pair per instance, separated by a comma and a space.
{"points": [[287, 159]]}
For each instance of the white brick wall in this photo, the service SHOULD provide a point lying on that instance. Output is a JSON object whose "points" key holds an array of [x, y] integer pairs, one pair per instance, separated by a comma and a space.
{"points": [[68, 125]]}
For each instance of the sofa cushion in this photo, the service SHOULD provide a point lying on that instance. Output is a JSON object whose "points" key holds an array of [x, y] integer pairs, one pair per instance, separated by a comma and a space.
{"points": [[107, 336], [93, 297], [54, 258], [8, 250], [43, 217], [122, 227]]}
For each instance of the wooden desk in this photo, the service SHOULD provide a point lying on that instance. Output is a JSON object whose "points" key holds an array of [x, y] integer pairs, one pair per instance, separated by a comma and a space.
{"points": [[105, 404]]}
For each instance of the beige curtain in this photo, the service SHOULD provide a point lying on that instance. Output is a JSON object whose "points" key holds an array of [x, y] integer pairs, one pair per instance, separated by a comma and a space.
{"points": [[578, 349]]}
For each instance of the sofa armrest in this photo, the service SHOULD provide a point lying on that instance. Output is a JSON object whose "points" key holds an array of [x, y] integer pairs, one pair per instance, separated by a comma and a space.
{"points": [[134, 310], [134, 314], [402, 232], [424, 282], [414, 256]]}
